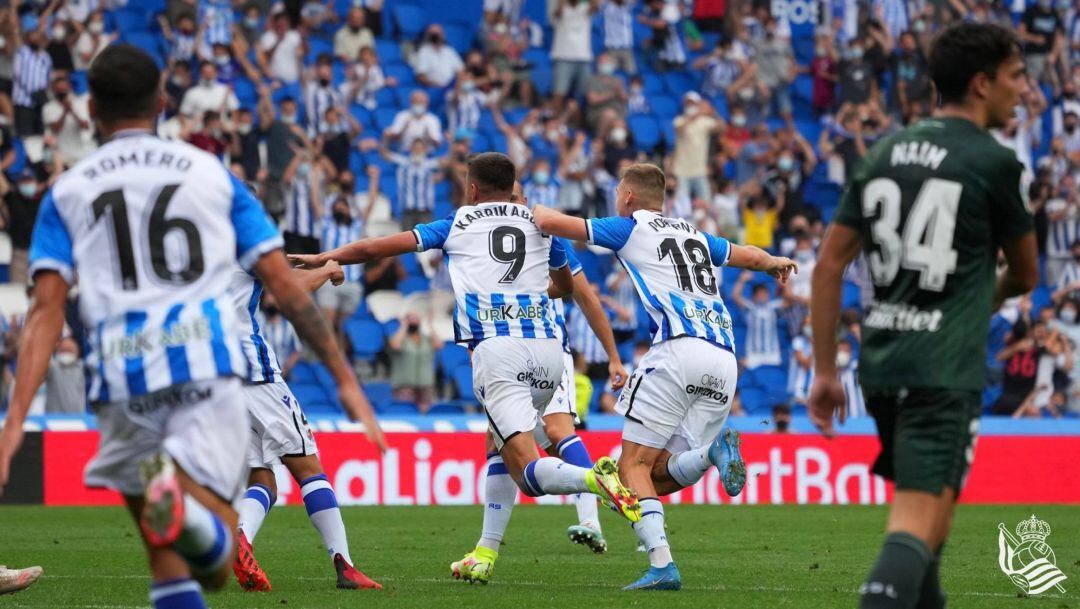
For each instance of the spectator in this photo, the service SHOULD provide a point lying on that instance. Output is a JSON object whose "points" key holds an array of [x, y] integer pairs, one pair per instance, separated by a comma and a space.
{"points": [[383, 274], [857, 83], [760, 217], [503, 62], [622, 300], [456, 166], [775, 61], [542, 188], [216, 22], [211, 137], [571, 47], [1023, 130], [321, 95], [1070, 134], [754, 155], [762, 323], [373, 10], [412, 362], [416, 175], [244, 145], [1063, 223], [677, 204], [22, 202], [823, 69], [437, 63], [365, 203], [663, 18], [1068, 324], [281, 50], [67, 117], [584, 342], [781, 416], [618, 147], [92, 41], [282, 135], [353, 36], [340, 301], [574, 172], [847, 366], [183, 41], [1068, 282], [801, 368], [336, 141], [619, 34], [636, 102], [1043, 35], [303, 204], [33, 67], [695, 128], [208, 95], [1066, 103], [59, 47], [366, 79], [251, 27], [466, 102], [415, 123], [605, 96], [722, 69], [1021, 356], [65, 381], [724, 212], [279, 333]]}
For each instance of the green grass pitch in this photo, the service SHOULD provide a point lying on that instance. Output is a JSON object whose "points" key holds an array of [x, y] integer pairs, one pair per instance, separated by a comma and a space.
{"points": [[806, 557]]}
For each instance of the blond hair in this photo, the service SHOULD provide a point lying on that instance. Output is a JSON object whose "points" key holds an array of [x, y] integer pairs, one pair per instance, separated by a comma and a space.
{"points": [[648, 184]]}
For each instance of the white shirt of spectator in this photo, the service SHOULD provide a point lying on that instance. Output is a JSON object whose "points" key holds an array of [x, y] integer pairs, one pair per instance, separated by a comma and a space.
{"points": [[1060, 234], [439, 64], [284, 63], [202, 98], [86, 44], [348, 43], [799, 284], [368, 82], [73, 142], [411, 128], [573, 34]]}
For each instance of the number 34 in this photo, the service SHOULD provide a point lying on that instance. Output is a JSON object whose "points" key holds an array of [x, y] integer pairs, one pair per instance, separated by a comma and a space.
{"points": [[926, 243]]}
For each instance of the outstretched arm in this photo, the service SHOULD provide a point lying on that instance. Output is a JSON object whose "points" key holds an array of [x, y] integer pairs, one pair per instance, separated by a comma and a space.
{"points": [[358, 252], [43, 325], [590, 306], [556, 223], [756, 259], [313, 279]]}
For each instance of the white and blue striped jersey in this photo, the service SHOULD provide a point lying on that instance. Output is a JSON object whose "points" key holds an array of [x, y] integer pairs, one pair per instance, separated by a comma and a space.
{"points": [[262, 362], [279, 335], [1060, 234], [415, 182], [499, 262], [582, 338], [560, 306], [626, 296], [762, 336], [800, 378], [849, 378], [154, 230], [32, 70], [619, 25], [335, 235], [300, 217], [672, 265], [542, 194], [216, 19]]}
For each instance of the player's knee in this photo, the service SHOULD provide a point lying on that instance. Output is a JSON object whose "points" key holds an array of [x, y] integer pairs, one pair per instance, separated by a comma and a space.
{"points": [[265, 478], [214, 580]]}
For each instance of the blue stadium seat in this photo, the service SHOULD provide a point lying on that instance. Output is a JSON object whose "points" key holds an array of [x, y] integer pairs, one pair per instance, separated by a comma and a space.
{"points": [[362, 115], [652, 83], [316, 47], [399, 409], [678, 83], [646, 131], [384, 117], [665, 107], [459, 36], [401, 72], [366, 337], [78, 82], [148, 42], [128, 21], [755, 400], [246, 92], [413, 284], [446, 408], [387, 98], [307, 394], [538, 57], [408, 19], [302, 374], [463, 379], [389, 52], [380, 394], [543, 80], [451, 357]]}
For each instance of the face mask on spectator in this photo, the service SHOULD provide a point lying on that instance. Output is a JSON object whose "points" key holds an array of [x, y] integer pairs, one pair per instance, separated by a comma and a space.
{"points": [[739, 120], [607, 68], [1068, 315], [692, 110], [341, 216], [820, 51], [243, 128], [785, 163], [221, 60], [746, 93], [303, 170], [804, 256], [636, 89], [206, 82], [28, 189], [177, 80], [618, 135], [251, 22], [1070, 127], [96, 27], [59, 32], [501, 28], [418, 109], [807, 330], [288, 119], [843, 358], [541, 176], [1045, 4], [66, 358], [417, 157], [919, 26], [468, 86], [856, 53]]}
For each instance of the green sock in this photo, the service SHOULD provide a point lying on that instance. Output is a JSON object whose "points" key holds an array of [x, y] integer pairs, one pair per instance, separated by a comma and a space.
{"points": [[932, 596], [896, 580]]}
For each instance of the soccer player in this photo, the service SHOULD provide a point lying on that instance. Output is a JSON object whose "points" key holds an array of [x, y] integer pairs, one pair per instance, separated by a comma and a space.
{"points": [[154, 229], [500, 269], [280, 433], [931, 206], [555, 434], [678, 398]]}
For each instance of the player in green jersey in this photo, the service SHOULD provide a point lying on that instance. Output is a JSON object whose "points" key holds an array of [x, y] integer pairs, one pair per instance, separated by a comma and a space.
{"points": [[931, 206]]}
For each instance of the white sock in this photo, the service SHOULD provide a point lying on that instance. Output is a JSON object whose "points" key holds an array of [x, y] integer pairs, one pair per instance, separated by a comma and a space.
{"points": [[204, 542], [689, 466], [253, 509], [551, 476], [651, 532], [500, 492], [322, 509], [587, 513]]}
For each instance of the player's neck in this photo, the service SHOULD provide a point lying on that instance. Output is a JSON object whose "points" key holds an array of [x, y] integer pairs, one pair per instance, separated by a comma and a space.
{"points": [[968, 112], [138, 124], [504, 197]]}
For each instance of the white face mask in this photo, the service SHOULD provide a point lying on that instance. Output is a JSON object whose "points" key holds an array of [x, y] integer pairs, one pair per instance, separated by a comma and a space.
{"points": [[58, 32], [692, 110], [618, 135], [243, 128], [418, 109], [843, 358], [1068, 315], [288, 119], [807, 330], [28, 189], [66, 358], [96, 27]]}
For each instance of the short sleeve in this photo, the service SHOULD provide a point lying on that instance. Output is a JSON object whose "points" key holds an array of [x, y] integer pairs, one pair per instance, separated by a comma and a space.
{"points": [[50, 245], [255, 233], [719, 249], [849, 211], [612, 233], [433, 234], [571, 257], [1010, 215], [557, 257]]}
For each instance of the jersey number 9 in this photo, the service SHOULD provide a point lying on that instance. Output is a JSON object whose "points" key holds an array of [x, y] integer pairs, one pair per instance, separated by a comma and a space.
{"points": [[507, 245]]}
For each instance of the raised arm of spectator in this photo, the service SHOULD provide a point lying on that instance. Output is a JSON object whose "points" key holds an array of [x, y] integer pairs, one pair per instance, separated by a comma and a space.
{"points": [[739, 287]]}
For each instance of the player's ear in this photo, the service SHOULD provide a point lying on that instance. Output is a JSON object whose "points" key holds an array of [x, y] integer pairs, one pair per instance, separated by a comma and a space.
{"points": [[91, 107]]}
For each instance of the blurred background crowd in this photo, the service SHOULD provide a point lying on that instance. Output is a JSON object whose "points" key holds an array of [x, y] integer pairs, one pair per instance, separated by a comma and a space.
{"points": [[354, 118]]}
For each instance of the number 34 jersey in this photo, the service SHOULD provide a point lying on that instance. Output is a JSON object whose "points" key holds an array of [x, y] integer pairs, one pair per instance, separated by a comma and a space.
{"points": [[933, 205], [672, 265], [499, 263], [153, 230]]}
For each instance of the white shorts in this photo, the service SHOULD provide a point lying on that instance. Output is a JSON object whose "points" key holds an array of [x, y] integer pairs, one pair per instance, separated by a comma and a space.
{"points": [[681, 393], [563, 402], [514, 379], [278, 425], [202, 425]]}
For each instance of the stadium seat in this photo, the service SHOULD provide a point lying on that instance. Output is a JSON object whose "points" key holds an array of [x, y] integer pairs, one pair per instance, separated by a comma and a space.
{"points": [[384, 117], [665, 107], [389, 52], [409, 20], [246, 92], [398, 408], [128, 21], [413, 284], [379, 394], [401, 72], [148, 42], [307, 394], [302, 373], [446, 408], [678, 83], [459, 36], [646, 131], [652, 83], [366, 338], [463, 379], [451, 357]]}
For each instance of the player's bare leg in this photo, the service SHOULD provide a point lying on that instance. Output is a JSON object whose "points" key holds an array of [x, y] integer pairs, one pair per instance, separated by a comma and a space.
{"points": [[566, 445], [325, 515], [636, 465]]}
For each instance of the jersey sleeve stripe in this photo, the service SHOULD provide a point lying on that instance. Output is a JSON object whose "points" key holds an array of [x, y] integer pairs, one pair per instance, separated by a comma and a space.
{"points": [[528, 328], [419, 240], [179, 370], [133, 366], [52, 264], [502, 327], [588, 232], [472, 309], [250, 257], [222, 357]]}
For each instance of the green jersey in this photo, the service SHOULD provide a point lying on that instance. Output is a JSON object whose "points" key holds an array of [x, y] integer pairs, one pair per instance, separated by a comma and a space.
{"points": [[933, 205]]}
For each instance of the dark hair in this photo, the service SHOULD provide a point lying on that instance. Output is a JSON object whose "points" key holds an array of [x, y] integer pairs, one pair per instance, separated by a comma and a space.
{"points": [[124, 84], [961, 51], [492, 172], [210, 116]]}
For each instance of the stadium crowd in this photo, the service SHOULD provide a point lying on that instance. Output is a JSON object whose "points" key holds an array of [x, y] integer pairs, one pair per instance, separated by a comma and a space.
{"points": [[354, 118]]}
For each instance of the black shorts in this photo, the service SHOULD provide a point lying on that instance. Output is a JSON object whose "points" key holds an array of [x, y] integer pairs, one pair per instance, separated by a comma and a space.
{"points": [[927, 436]]}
